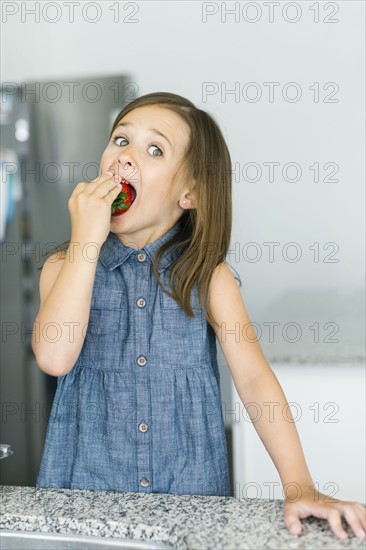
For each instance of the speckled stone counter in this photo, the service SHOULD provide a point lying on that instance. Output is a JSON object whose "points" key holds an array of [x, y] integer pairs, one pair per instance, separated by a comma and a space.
{"points": [[179, 521]]}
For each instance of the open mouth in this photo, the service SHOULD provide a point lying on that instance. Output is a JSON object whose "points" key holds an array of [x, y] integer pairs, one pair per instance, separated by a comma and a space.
{"points": [[133, 190], [125, 199]]}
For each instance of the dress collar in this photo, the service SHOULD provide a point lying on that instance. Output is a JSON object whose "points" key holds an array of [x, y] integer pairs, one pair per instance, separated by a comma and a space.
{"points": [[114, 253]]}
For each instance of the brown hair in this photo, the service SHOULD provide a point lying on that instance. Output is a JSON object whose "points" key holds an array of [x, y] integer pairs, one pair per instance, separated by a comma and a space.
{"points": [[205, 233]]}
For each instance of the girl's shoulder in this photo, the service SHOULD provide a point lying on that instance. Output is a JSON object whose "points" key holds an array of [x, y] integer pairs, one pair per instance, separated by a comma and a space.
{"points": [[222, 276], [224, 290]]}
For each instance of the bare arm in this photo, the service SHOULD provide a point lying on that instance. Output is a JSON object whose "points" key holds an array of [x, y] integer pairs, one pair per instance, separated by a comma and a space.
{"points": [[254, 379], [66, 286]]}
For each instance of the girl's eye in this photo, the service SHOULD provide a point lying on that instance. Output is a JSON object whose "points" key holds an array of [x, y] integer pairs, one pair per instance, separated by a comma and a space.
{"points": [[157, 151], [118, 137]]}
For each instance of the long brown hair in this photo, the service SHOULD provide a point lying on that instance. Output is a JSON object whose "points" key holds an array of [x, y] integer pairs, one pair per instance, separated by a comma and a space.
{"points": [[205, 231]]}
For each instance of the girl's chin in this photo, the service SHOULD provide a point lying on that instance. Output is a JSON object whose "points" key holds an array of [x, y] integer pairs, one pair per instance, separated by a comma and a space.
{"points": [[118, 216], [121, 215]]}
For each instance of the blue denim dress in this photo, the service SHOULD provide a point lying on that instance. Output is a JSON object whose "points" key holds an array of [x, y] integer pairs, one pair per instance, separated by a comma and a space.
{"points": [[141, 409]]}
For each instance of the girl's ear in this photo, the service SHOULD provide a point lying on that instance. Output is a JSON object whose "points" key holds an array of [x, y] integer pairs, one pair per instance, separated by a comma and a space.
{"points": [[188, 199]]}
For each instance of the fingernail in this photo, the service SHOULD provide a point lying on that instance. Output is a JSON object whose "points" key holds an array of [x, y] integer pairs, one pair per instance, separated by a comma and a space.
{"points": [[109, 173], [360, 533]]}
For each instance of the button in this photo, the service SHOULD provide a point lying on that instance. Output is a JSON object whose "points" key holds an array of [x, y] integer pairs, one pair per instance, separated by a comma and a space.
{"points": [[144, 482], [143, 427], [141, 257], [141, 360], [141, 302]]}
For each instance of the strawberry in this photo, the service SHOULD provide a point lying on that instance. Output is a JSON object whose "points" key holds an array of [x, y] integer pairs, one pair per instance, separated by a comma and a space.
{"points": [[123, 201]]}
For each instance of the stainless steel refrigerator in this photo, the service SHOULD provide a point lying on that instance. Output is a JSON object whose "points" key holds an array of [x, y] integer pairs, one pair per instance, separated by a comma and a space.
{"points": [[54, 134]]}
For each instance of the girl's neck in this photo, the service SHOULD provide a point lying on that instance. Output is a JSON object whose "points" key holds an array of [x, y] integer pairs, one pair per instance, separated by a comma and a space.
{"points": [[142, 238]]}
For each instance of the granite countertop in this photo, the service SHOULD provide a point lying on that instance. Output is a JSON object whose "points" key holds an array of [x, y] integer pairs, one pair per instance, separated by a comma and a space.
{"points": [[179, 521]]}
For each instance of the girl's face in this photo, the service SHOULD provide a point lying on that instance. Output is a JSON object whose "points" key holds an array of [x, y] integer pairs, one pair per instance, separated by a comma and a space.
{"points": [[145, 148]]}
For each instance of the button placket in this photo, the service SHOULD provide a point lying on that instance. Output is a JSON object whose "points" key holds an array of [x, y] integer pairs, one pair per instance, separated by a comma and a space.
{"points": [[141, 289]]}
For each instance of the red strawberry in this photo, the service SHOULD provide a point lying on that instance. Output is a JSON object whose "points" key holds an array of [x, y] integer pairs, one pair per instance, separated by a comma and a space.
{"points": [[123, 201]]}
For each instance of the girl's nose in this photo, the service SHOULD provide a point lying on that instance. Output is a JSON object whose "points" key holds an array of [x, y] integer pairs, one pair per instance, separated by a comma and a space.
{"points": [[127, 168], [127, 165], [127, 156], [125, 160]]}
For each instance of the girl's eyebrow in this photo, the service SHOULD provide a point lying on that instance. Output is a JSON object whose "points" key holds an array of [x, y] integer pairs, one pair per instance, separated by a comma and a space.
{"points": [[151, 130]]}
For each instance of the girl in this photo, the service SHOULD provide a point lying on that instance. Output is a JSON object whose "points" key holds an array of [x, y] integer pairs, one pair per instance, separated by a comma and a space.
{"points": [[138, 404]]}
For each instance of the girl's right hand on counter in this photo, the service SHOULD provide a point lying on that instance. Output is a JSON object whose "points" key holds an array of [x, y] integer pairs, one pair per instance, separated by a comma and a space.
{"points": [[90, 208]]}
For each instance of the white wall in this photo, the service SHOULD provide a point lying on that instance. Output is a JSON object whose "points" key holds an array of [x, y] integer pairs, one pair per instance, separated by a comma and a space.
{"points": [[328, 407]]}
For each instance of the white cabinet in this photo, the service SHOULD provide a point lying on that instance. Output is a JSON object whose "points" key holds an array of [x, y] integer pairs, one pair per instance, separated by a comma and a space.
{"points": [[328, 405]]}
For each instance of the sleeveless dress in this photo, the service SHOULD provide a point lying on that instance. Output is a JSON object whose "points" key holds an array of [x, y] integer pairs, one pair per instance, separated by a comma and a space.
{"points": [[140, 410]]}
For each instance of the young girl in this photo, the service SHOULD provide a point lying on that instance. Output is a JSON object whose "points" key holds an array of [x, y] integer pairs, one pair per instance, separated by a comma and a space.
{"points": [[138, 405]]}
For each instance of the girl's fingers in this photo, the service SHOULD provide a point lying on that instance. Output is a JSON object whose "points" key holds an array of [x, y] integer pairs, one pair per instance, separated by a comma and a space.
{"points": [[103, 185], [115, 191], [354, 513], [361, 528], [353, 518], [362, 511], [293, 523]]}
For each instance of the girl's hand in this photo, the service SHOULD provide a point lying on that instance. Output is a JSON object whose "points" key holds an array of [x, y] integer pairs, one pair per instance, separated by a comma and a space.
{"points": [[90, 208], [312, 503]]}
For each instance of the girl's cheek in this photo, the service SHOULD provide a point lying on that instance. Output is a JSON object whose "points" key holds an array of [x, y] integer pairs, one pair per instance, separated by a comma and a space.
{"points": [[106, 152], [104, 161]]}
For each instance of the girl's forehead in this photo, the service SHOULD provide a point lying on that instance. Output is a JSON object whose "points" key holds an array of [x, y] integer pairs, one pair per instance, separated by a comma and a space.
{"points": [[159, 118], [155, 113]]}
